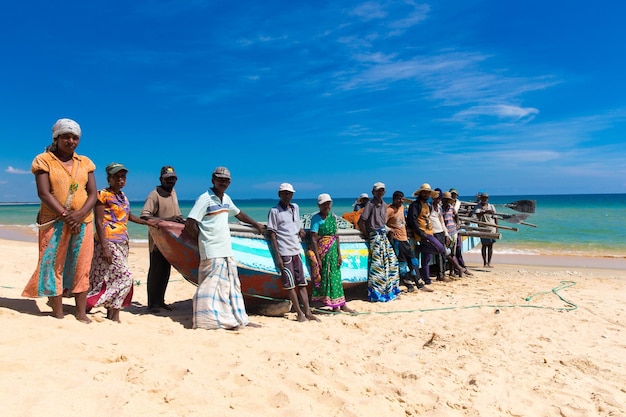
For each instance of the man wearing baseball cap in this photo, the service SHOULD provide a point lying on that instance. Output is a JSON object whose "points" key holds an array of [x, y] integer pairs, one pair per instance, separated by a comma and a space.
{"points": [[285, 227], [361, 201], [218, 301], [161, 203], [382, 275]]}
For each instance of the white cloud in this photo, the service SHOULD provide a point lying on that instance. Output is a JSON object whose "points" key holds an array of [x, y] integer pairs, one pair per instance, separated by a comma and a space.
{"points": [[525, 156], [412, 14], [419, 14], [502, 111], [369, 11], [12, 170], [376, 58], [427, 69], [261, 39]]}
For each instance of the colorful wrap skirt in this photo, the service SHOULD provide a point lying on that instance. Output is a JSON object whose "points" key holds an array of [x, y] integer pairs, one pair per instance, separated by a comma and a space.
{"points": [[110, 285], [64, 262]]}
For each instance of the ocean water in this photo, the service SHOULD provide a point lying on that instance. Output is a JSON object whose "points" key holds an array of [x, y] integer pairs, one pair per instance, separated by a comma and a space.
{"points": [[585, 225]]}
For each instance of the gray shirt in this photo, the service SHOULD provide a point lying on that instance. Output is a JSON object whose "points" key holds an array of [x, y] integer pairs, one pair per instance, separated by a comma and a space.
{"points": [[285, 222], [374, 215]]}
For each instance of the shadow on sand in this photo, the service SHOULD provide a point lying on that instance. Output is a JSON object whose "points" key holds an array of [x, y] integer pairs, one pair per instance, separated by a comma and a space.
{"points": [[181, 312], [22, 305]]}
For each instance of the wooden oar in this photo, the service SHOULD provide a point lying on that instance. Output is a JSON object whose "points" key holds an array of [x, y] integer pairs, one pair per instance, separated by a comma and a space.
{"points": [[523, 206], [528, 224], [509, 218], [516, 218], [512, 218], [476, 228], [480, 234], [479, 223]]}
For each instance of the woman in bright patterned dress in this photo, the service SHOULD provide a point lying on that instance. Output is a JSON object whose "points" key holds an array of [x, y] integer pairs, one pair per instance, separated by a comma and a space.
{"points": [[67, 189], [325, 258], [110, 280]]}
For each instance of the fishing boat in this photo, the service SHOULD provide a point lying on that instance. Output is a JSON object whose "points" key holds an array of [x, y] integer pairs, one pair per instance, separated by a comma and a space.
{"points": [[260, 279]]}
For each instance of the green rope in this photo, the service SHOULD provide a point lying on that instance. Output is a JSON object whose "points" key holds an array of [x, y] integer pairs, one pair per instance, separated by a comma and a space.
{"points": [[563, 285], [570, 306]]}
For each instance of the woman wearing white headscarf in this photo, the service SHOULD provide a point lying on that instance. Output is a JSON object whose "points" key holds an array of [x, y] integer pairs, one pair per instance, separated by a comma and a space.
{"points": [[66, 186]]}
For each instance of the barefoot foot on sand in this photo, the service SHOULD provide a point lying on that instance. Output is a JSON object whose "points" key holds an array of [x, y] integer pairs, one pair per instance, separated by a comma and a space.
{"points": [[83, 319], [312, 317], [347, 309]]}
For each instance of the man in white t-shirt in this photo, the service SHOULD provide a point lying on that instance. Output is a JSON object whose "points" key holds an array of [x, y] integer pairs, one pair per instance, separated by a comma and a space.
{"points": [[218, 301]]}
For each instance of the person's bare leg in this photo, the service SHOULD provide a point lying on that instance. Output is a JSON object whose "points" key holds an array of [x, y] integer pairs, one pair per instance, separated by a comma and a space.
{"points": [[293, 297], [304, 296], [81, 307], [489, 254], [455, 266], [56, 303], [113, 314]]}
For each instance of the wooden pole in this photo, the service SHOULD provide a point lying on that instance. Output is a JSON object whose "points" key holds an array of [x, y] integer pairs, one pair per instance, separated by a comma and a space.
{"points": [[478, 222], [481, 234]]}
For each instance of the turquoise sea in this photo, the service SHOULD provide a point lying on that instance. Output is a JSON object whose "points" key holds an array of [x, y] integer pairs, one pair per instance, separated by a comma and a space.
{"points": [[586, 225]]}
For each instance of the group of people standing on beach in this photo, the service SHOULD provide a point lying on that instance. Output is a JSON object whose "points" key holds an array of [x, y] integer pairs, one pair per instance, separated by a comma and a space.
{"points": [[398, 235], [90, 262], [84, 243]]}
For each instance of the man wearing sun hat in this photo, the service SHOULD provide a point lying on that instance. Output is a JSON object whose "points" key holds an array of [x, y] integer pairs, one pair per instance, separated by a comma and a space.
{"points": [[418, 220], [383, 275], [161, 203]]}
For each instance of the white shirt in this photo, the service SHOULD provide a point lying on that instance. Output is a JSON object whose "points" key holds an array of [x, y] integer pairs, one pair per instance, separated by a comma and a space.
{"points": [[212, 217]]}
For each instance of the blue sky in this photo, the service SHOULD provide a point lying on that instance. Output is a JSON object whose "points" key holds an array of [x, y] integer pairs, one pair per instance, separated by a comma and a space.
{"points": [[508, 97]]}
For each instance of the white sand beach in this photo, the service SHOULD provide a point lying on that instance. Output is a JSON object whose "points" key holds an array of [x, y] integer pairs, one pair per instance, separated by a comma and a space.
{"points": [[474, 347]]}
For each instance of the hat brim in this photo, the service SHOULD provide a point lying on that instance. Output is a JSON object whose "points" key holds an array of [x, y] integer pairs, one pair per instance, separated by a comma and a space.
{"points": [[118, 169], [433, 193]]}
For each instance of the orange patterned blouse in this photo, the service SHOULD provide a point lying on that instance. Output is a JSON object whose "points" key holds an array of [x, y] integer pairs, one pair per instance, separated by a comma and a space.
{"points": [[63, 182]]}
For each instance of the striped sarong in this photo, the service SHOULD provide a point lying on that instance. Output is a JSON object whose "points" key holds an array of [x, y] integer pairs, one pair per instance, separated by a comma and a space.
{"points": [[218, 302], [382, 276]]}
